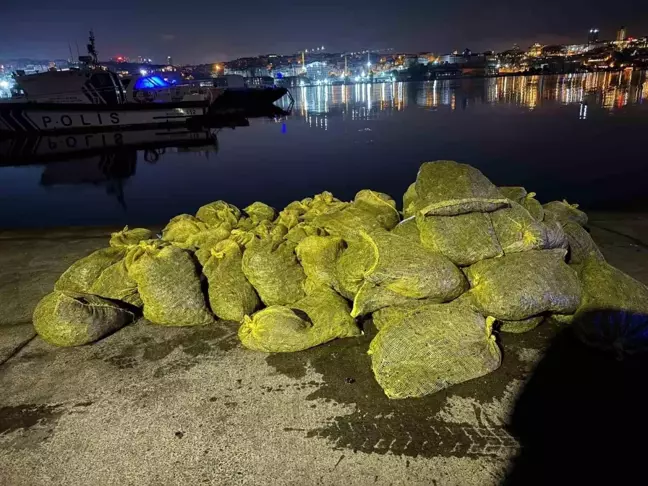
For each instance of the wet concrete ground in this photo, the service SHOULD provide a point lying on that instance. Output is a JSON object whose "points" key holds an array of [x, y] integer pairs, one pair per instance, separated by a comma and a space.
{"points": [[153, 405]]}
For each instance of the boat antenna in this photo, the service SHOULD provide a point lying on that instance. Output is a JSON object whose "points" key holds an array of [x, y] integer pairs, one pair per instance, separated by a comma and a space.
{"points": [[92, 51], [71, 56], [77, 46]]}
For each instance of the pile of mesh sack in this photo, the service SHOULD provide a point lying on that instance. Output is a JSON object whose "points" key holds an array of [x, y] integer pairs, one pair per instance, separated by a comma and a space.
{"points": [[463, 261]]}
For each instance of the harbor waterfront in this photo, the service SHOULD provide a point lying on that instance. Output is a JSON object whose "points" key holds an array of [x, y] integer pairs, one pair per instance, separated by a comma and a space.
{"points": [[153, 404], [574, 136]]}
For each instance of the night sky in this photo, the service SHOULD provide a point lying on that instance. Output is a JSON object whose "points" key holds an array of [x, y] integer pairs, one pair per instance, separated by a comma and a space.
{"points": [[197, 32]]}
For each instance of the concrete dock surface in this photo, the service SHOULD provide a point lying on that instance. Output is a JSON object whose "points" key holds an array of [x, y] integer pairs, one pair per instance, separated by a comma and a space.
{"points": [[159, 406]]}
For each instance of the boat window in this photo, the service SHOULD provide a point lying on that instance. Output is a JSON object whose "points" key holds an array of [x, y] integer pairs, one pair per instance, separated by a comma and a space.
{"points": [[151, 82]]}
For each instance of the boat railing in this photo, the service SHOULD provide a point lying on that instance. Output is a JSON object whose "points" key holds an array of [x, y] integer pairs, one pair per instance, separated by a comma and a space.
{"points": [[107, 89]]}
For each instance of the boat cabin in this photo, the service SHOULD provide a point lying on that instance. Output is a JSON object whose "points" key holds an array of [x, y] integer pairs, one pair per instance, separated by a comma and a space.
{"points": [[73, 86]]}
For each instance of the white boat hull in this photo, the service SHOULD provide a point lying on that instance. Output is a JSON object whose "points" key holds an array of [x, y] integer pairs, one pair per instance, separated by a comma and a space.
{"points": [[41, 117]]}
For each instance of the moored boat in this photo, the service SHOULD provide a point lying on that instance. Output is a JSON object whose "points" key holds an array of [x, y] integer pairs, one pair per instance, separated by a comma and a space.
{"points": [[93, 99]]}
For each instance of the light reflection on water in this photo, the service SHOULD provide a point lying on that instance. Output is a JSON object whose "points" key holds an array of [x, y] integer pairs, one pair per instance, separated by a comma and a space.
{"points": [[608, 90]]}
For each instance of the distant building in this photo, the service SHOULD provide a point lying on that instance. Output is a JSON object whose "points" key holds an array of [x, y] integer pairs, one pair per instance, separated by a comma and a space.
{"points": [[621, 34], [535, 50], [250, 72], [576, 49], [169, 61], [593, 36], [553, 51], [465, 65], [452, 59], [316, 70], [425, 58], [286, 70]]}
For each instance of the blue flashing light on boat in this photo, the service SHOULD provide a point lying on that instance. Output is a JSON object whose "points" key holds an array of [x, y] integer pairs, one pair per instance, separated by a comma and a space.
{"points": [[153, 81]]}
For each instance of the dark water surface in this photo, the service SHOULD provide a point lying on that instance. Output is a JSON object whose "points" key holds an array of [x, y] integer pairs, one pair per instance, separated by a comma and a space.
{"points": [[579, 137]]}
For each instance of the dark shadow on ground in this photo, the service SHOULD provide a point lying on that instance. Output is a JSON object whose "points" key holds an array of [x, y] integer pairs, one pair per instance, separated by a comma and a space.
{"points": [[582, 418]]}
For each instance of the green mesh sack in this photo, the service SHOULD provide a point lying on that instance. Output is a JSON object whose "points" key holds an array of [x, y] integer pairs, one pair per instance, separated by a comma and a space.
{"points": [[242, 237], [401, 269], [433, 348], [323, 203], [181, 228], [268, 229], [330, 315], [565, 212], [372, 297], [517, 230], [581, 244], [272, 268], [258, 211], [169, 285], [408, 229], [210, 237], [83, 273], [349, 222], [614, 313], [464, 239], [263, 230], [127, 238], [303, 230], [318, 256], [522, 285], [289, 218], [447, 188], [115, 283], [276, 329], [219, 212], [247, 224], [518, 327], [531, 204], [555, 236], [231, 296], [316, 319], [352, 265], [294, 213], [514, 193], [74, 319], [190, 233], [410, 201], [397, 314], [381, 205]]}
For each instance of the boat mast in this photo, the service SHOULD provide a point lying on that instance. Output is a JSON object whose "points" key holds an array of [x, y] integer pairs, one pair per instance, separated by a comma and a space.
{"points": [[92, 51]]}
